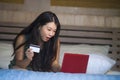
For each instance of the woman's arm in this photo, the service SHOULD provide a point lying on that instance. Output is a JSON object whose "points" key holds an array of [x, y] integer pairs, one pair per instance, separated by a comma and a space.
{"points": [[19, 54], [55, 65]]}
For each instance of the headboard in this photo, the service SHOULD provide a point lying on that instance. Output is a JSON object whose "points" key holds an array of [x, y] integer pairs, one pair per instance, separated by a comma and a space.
{"points": [[75, 35]]}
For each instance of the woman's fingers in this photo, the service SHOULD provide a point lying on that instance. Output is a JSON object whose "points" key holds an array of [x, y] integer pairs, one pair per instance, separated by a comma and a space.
{"points": [[29, 53]]}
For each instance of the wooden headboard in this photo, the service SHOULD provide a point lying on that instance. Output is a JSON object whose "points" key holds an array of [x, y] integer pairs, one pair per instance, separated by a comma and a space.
{"points": [[75, 35]]}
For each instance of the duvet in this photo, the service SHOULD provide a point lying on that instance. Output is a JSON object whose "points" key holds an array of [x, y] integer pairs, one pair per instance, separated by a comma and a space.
{"points": [[12, 74]]}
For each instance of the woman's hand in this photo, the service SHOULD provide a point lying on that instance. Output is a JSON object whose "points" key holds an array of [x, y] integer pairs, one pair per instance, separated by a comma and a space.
{"points": [[29, 53]]}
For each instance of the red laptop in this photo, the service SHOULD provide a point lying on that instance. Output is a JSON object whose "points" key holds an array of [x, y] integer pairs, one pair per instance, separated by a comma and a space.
{"points": [[74, 63]]}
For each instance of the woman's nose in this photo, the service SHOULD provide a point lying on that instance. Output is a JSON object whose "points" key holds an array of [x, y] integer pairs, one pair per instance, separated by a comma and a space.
{"points": [[51, 33]]}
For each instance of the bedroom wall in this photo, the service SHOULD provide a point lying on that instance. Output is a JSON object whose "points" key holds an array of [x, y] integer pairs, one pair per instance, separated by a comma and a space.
{"points": [[88, 16], [27, 12]]}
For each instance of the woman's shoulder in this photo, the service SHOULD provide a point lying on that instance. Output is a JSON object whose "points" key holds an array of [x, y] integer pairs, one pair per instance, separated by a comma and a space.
{"points": [[21, 39], [22, 36]]}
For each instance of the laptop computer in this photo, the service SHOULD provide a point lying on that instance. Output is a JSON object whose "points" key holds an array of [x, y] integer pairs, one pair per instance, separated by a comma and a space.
{"points": [[74, 63]]}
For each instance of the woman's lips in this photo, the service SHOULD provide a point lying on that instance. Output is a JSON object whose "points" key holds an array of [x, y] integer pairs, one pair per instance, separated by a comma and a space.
{"points": [[47, 38]]}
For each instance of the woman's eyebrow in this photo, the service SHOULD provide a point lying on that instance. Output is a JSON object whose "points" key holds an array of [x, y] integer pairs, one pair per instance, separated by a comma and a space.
{"points": [[51, 28]]}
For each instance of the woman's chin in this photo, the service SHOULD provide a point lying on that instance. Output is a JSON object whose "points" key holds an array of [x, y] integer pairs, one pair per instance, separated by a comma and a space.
{"points": [[45, 40]]}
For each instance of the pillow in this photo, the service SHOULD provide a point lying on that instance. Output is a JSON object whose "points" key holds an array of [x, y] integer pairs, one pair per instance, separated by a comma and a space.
{"points": [[5, 54], [99, 62], [96, 64], [90, 64], [83, 48]]}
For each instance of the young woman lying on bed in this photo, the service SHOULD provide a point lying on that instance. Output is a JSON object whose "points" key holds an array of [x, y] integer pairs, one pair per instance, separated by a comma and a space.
{"points": [[43, 32]]}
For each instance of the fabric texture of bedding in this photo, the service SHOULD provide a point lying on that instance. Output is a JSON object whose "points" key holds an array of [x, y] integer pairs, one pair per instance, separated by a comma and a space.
{"points": [[99, 64], [6, 74], [5, 54]]}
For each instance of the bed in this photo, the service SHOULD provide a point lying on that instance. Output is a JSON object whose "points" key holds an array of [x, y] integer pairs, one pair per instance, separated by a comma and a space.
{"points": [[101, 44]]}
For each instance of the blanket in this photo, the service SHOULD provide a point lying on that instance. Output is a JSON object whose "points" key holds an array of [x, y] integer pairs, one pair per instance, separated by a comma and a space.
{"points": [[12, 74]]}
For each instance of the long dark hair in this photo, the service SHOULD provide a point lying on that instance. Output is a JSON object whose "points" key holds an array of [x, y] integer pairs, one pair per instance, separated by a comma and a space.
{"points": [[43, 60]]}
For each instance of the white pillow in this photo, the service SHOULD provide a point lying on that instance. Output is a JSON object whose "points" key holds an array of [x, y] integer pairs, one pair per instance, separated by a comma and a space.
{"points": [[5, 54], [83, 49], [99, 62]]}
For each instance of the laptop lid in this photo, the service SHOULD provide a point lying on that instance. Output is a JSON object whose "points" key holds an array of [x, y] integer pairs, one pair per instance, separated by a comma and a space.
{"points": [[74, 63]]}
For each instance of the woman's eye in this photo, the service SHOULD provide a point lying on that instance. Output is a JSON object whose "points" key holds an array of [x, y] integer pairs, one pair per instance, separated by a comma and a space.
{"points": [[49, 29]]}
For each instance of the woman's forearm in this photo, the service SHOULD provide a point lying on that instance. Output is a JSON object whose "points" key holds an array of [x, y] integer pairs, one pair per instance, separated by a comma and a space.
{"points": [[23, 63]]}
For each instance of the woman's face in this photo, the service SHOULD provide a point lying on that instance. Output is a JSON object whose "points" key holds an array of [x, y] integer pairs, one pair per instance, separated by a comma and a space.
{"points": [[48, 31]]}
